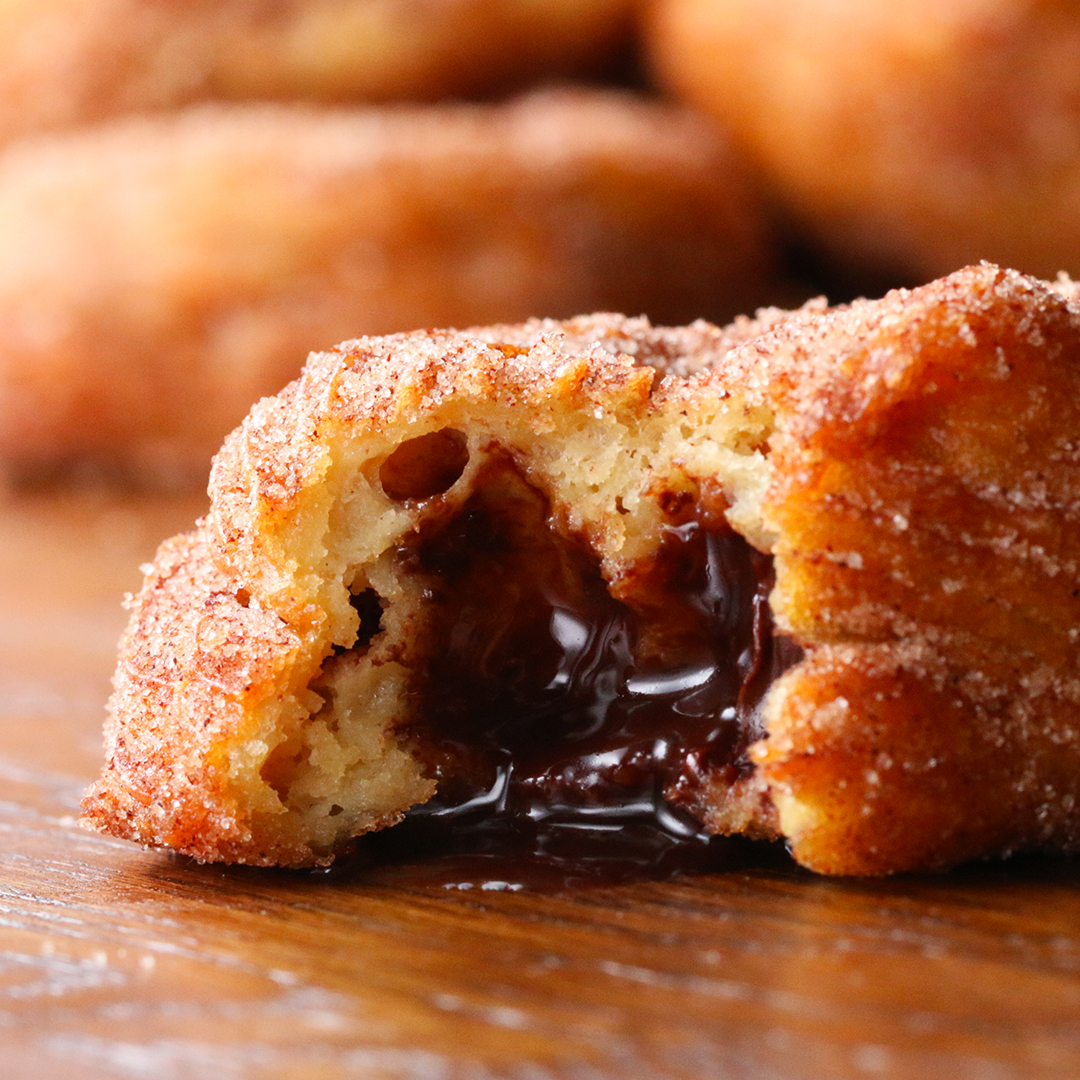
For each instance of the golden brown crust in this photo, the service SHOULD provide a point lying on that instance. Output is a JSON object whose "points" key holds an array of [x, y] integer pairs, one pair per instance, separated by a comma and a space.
{"points": [[66, 63], [186, 620], [159, 275], [299, 517], [911, 462], [200, 666], [926, 499], [913, 138]]}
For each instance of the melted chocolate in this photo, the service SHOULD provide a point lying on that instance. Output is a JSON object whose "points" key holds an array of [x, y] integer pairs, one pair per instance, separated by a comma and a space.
{"points": [[570, 728]]}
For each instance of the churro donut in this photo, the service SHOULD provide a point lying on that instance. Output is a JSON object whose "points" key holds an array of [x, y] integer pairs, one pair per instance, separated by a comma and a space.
{"points": [[910, 138], [814, 577], [159, 275], [64, 63]]}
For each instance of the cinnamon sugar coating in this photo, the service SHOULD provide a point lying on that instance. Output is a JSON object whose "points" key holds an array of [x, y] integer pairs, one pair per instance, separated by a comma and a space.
{"points": [[926, 503], [158, 275], [911, 464]]}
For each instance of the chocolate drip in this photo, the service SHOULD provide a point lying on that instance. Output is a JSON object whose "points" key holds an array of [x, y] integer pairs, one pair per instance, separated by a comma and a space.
{"points": [[572, 728]]}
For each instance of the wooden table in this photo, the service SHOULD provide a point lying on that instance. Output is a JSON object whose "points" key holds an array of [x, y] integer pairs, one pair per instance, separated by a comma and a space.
{"points": [[121, 963]]}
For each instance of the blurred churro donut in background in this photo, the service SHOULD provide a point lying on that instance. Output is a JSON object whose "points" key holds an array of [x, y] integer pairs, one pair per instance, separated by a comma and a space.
{"points": [[909, 137], [68, 62], [160, 274]]}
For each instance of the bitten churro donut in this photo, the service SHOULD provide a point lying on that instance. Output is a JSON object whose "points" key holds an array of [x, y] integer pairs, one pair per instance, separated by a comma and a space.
{"points": [[159, 275], [65, 63], [812, 577], [911, 138]]}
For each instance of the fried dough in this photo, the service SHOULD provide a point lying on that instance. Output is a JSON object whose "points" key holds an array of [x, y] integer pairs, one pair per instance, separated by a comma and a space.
{"points": [[159, 275], [905, 138], [69, 63], [909, 467]]}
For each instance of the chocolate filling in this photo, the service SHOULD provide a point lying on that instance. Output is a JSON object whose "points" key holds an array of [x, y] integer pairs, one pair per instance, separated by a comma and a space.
{"points": [[573, 722]]}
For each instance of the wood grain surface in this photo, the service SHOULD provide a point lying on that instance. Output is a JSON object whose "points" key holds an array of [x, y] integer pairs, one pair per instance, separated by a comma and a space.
{"points": [[119, 963]]}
